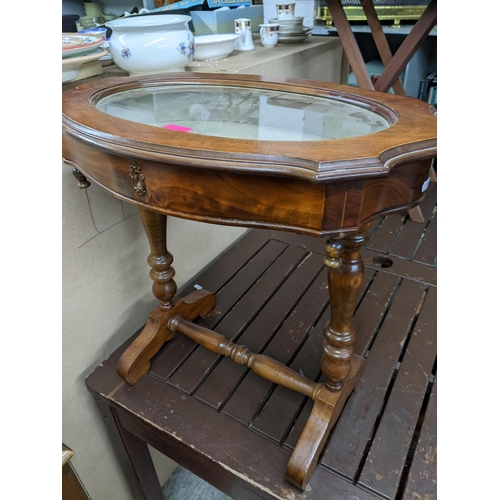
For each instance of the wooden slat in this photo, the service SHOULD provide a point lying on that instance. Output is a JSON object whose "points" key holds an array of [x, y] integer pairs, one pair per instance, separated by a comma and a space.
{"points": [[385, 233], [353, 432], [219, 272], [427, 250], [402, 267], [252, 391], [409, 237], [280, 409], [370, 312], [190, 374], [227, 374], [312, 244], [386, 459], [422, 478]]}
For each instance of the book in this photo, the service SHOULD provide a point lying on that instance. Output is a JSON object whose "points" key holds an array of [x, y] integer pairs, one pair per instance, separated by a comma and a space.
{"points": [[432, 98], [425, 85]]}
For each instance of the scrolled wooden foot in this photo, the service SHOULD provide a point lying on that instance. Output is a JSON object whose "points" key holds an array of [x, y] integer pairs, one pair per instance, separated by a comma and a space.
{"points": [[136, 360], [326, 410]]}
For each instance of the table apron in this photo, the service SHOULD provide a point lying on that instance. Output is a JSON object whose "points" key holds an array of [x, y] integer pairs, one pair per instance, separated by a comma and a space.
{"points": [[249, 200]]}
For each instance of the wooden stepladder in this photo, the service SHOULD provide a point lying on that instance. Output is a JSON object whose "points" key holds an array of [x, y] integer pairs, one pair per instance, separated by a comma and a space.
{"points": [[393, 64]]}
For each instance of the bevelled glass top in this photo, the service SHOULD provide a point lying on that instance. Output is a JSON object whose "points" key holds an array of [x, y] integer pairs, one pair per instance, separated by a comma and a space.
{"points": [[244, 113]]}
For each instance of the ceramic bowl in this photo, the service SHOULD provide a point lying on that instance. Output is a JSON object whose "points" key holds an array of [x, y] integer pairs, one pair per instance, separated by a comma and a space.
{"points": [[75, 44], [95, 31], [144, 45], [71, 65], [209, 47]]}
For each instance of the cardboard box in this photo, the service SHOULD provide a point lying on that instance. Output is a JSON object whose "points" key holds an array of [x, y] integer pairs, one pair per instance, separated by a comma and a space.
{"points": [[209, 22], [211, 4], [222, 21]]}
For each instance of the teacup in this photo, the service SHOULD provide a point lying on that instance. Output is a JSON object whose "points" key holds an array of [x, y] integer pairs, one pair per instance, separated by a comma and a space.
{"points": [[285, 11], [269, 34]]}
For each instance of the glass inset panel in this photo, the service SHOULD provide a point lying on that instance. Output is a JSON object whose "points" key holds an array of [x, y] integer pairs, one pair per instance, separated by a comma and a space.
{"points": [[244, 113]]}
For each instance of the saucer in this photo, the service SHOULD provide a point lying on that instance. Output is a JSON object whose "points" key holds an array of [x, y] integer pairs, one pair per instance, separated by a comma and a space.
{"points": [[74, 44], [285, 22], [292, 38], [71, 65]]}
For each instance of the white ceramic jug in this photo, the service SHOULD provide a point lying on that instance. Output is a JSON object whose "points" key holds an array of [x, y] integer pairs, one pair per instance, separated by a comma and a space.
{"points": [[243, 27]]}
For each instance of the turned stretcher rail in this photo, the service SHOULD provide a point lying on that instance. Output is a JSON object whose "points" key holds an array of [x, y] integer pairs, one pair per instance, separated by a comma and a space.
{"points": [[262, 365]]}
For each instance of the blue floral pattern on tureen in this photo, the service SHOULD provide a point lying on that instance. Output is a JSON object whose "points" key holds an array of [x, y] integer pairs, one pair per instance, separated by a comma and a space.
{"points": [[126, 54], [187, 50]]}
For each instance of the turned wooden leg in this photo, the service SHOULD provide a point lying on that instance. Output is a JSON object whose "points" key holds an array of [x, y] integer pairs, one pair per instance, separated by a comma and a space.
{"points": [[341, 368], [346, 271], [136, 360], [160, 259]]}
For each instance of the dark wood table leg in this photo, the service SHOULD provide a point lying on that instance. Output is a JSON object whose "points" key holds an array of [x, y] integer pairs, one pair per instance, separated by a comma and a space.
{"points": [[341, 368], [136, 360], [133, 455]]}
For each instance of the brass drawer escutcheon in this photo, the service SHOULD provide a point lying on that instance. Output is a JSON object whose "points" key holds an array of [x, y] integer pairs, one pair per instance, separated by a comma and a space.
{"points": [[138, 180]]}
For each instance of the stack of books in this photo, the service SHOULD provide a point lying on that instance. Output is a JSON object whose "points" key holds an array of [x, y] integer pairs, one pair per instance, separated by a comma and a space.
{"points": [[428, 89]]}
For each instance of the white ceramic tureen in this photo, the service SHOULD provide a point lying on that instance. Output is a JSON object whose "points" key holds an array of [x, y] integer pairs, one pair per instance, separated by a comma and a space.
{"points": [[156, 43]]}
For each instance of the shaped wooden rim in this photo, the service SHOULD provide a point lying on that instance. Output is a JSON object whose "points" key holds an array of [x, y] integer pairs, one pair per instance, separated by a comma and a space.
{"points": [[411, 136]]}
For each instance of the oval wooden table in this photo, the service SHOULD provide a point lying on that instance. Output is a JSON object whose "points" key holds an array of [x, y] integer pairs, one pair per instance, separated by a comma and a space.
{"points": [[296, 155]]}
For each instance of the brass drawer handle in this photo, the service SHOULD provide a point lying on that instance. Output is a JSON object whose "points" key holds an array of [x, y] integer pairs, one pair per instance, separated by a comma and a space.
{"points": [[138, 180]]}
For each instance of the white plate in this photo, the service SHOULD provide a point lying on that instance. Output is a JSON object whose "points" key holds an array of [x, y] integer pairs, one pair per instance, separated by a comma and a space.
{"points": [[292, 39], [299, 31], [287, 22], [74, 44], [210, 47], [71, 65]]}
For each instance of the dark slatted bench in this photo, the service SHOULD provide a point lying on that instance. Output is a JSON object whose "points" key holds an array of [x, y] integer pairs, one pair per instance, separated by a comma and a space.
{"points": [[237, 430]]}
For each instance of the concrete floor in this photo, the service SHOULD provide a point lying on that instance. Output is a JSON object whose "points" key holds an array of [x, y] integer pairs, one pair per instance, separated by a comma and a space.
{"points": [[183, 485]]}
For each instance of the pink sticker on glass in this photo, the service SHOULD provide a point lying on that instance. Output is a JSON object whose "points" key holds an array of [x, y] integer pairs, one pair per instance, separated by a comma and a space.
{"points": [[178, 128]]}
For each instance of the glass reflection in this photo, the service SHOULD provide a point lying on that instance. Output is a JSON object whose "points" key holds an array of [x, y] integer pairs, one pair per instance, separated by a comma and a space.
{"points": [[241, 113]]}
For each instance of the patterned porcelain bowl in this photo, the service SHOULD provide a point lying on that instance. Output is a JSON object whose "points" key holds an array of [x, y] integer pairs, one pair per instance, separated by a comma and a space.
{"points": [[143, 45], [76, 44]]}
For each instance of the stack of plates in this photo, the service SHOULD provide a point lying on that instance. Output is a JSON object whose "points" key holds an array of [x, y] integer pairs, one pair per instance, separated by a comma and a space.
{"points": [[292, 30], [78, 49]]}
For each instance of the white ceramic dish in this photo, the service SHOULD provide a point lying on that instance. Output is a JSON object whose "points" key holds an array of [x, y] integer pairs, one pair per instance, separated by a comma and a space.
{"points": [[292, 38], [287, 22], [74, 44], [71, 65], [302, 31], [144, 45], [209, 47]]}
